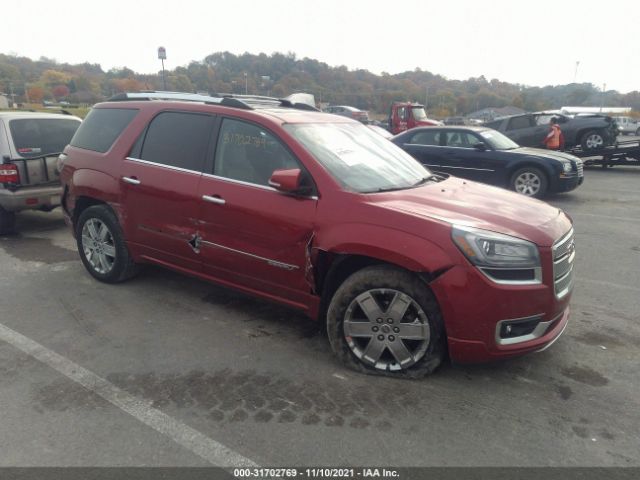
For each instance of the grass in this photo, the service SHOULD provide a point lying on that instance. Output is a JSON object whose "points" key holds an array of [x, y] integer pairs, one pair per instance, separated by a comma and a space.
{"points": [[37, 107]]}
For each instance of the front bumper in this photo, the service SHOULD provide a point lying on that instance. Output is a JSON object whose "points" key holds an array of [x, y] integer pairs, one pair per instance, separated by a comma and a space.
{"points": [[568, 183], [473, 308]]}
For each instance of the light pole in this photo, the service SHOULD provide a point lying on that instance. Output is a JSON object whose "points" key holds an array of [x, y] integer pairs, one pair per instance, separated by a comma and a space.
{"points": [[575, 73], [162, 55], [246, 88], [604, 88], [426, 97]]}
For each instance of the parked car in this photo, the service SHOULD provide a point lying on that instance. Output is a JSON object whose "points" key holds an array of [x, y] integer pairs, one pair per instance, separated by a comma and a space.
{"points": [[29, 146], [628, 125], [347, 111], [589, 132], [487, 156], [323, 215]]}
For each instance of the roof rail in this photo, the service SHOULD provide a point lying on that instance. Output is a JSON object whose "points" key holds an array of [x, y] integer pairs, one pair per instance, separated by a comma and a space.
{"points": [[245, 102]]}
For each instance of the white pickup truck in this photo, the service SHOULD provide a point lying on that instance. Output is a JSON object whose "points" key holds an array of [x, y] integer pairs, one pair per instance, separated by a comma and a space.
{"points": [[628, 125], [30, 143]]}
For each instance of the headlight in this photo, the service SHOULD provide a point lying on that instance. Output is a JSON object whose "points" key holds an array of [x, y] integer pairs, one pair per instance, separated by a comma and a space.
{"points": [[566, 166], [492, 250]]}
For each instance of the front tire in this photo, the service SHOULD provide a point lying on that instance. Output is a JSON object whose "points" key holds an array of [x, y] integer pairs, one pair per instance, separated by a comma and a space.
{"points": [[592, 140], [385, 321], [102, 247], [529, 181]]}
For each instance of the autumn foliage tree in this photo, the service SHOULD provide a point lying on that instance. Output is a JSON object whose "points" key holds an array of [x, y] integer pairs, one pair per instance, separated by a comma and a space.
{"points": [[60, 91], [35, 94]]}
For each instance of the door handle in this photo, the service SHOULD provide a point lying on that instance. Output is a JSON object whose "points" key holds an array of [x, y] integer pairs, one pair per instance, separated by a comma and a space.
{"points": [[131, 180], [214, 199]]}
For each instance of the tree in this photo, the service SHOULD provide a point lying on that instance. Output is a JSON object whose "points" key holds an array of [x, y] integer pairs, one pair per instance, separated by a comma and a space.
{"points": [[51, 78], [60, 91], [35, 94]]}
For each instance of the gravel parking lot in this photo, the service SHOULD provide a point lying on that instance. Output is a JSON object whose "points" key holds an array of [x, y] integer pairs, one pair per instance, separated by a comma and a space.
{"points": [[208, 372]]}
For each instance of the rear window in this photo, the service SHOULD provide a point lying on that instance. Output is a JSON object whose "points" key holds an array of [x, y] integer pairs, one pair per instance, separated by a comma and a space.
{"points": [[34, 137], [101, 128]]}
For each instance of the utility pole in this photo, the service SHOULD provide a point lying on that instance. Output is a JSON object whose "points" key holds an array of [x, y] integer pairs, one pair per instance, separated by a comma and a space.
{"points": [[604, 88], [13, 97], [246, 87], [575, 73]]}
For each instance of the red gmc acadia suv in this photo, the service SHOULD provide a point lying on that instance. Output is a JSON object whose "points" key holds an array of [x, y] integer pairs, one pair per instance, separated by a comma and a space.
{"points": [[318, 212]]}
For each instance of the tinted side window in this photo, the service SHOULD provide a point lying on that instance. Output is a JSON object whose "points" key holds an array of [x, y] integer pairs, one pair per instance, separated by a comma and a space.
{"points": [[33, 137], [461, 139], [101, 128], [249, 153], [178, 139], [428, 137], [543, 119], [518, 123]]}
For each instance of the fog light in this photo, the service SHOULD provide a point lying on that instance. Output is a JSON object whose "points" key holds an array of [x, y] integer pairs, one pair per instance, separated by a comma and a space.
{"points": [[519, 327]]}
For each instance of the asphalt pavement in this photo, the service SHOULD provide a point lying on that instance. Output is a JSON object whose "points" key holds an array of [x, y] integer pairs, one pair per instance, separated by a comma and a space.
{"points": [[166, 370]]}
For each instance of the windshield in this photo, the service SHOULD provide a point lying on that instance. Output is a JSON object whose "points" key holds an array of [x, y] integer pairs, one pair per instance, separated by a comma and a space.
{"points": [[498, 141], [359, 159], [419, 113]]}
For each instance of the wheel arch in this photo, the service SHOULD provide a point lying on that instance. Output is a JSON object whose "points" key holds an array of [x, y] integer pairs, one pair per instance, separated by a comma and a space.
{"points": [[332, 265], [90, 187], [530, 162]]}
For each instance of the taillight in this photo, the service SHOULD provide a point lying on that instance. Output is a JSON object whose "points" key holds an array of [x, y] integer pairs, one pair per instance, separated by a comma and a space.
{"points": [[9, 173]]}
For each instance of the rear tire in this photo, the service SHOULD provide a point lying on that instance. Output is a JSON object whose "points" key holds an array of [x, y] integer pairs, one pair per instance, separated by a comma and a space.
{"points": [[593, 140], [102, 246], [7, 222], [399, 332], [529, 181]]}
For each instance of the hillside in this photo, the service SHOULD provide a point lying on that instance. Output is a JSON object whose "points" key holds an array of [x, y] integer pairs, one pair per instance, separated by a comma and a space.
{"points": [[280, 74]]}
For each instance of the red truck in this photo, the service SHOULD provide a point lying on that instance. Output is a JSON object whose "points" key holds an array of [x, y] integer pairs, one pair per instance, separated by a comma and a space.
{"points": [[319, 213], [406, 115]]}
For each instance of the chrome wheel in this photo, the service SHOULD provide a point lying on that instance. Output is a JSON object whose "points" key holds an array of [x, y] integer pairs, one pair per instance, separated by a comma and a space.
{"points": [[386, 329], [527, 183], [594, 140], [98, 246]]}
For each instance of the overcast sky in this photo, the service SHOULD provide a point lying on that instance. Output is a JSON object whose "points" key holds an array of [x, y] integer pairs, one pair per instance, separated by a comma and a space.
{"points": [[521, 41]]}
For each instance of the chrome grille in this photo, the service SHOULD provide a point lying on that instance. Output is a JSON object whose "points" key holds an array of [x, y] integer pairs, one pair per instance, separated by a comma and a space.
{"points": [[580, 167], [563, 258]]}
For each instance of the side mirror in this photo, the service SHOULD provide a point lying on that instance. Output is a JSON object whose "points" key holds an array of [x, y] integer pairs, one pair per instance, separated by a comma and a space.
{"points": [[286, 181], [480, 146]]}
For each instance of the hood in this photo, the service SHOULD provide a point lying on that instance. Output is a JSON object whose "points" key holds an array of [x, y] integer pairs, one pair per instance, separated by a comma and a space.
{"points": [[539, 152], [463, 202]]}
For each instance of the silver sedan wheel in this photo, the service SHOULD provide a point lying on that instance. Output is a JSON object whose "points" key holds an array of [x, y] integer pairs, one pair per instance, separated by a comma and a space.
{"points": [[386, 329], [594, 140], [98, 246], [527, 183]]}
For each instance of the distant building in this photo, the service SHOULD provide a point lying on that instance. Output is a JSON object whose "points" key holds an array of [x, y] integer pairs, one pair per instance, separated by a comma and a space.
{"points": [[4, 100], [491, 113]]}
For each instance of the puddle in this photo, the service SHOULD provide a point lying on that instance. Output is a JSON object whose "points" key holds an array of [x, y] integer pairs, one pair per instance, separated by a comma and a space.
{"points": [[31, 249]]}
